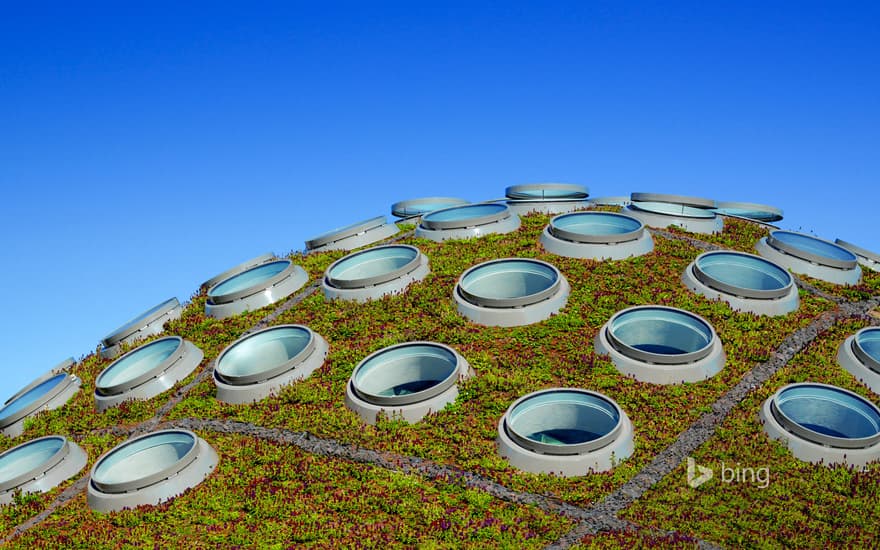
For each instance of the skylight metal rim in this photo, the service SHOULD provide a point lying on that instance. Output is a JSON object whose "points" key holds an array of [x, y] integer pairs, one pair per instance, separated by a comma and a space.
{"points": [[695, 213], [415, 397], [38, 470], [57, 369], [570, 449], [130, 328], [255, 288], [509, 303], [344, 232], [475, 221], [576, 237], [398, 209], [123, 387], [814, 437], [658, 358], [521, 192], [866, 358], [34, 406], [683, 200], [858, 251], [733, 290], [240, 268], [374, 280], [266, 375], [774, 214], [808, 256], [152, 479]]}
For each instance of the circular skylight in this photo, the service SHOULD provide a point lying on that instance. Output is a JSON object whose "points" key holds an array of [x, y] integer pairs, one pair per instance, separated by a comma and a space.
{"points": [[824, 424], [148, 323], [150, 469], [470, 220], [695, 202], [408, 381], [146, 372], [259, 364], [674, 210], [565, 430], [511, 292], [39, 465], [419, 207], [547, 191], [746, 282], [860, 356], [596, 227], [244, 266], [758, 212], [742, 275], [254, 288], [44, 394], [512, 282], [596, 235], [664, 214], [661, 345], [468, 215], [812, 249], [547, 198], [811, 256], [375, 272], [865, 257], [353, 236]]}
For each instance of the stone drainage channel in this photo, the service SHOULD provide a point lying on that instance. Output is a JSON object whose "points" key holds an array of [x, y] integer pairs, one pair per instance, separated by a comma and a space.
{"points": [[601, 516]]}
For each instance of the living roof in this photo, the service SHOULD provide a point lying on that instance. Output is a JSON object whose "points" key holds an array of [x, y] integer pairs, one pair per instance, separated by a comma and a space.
{"points": [[299, 468]]}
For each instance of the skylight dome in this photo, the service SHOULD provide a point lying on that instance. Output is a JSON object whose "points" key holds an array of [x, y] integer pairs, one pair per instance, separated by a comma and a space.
{"points": [[596, 236], [375, 272], [661, 345], [869, 259], [150, 469], [261, 363], [825, 424], [746, 282], [254, 288], [48, 392], [148, 323], [664, 214], [470, 220], [39, 465], [681, 200], [749, 210], [418, 207], [811, 256], [244, 266], [406, 381], [353, 236], [547, 198], [859, 354], [566, 431], [511, 292], [146, 371]]}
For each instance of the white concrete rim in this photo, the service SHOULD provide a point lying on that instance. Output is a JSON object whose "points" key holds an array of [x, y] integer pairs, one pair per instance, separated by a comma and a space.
{"points": [[800, 266], [185, 477], [516, 316], [66, 463], [807, 451], [409, 412], [251, 393]]}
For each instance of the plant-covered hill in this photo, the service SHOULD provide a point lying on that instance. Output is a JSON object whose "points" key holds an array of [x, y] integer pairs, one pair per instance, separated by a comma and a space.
{"points": [[299, 469]]}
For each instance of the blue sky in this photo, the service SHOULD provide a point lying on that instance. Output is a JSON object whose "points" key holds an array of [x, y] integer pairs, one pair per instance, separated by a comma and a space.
{"points": [[145, 148]]}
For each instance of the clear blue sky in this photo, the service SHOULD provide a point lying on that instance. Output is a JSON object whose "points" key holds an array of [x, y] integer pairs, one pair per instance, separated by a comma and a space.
{"points": [[144, 149]]}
